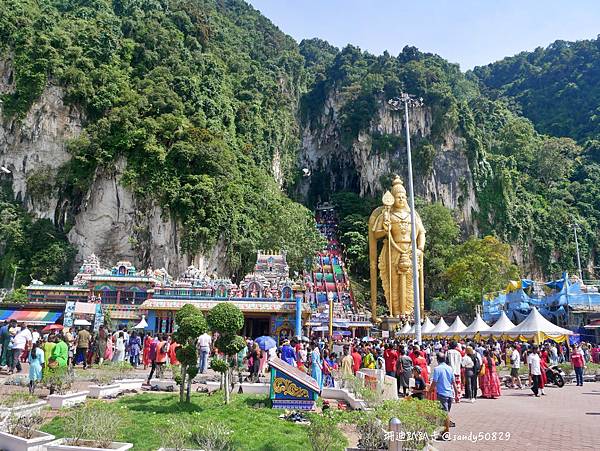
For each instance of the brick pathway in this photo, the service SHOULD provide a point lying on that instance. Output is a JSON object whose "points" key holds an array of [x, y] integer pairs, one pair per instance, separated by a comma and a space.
{"points": [[566, 418]]}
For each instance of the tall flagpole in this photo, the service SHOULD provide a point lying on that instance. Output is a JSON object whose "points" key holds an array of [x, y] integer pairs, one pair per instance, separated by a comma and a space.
{"points": [[394, 103]]}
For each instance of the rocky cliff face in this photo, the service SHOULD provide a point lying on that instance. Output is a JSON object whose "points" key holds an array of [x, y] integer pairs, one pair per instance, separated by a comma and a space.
{"points": [[361, 168], [110, 222], [34, 148]]}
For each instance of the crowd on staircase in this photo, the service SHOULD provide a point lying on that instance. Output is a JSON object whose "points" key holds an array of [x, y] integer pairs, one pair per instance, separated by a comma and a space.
{"points": [[329, 276]]}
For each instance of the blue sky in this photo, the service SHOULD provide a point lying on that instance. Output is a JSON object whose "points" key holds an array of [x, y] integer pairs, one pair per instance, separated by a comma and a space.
{"points": [[467, 32]]}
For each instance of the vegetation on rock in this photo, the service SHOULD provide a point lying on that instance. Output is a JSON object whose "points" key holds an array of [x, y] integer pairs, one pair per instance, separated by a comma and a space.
{"points": [[199, 99]]}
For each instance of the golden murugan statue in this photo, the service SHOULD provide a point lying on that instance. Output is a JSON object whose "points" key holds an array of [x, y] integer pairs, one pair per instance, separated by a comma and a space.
{"points": [[391, 222]]}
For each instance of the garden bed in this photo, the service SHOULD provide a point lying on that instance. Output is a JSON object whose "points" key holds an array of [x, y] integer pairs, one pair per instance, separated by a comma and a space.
{"points": [[149, 416]]}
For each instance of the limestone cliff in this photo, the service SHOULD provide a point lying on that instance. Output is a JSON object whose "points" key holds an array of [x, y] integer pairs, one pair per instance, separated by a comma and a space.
{"points": [[360, 167], [109, 221]]}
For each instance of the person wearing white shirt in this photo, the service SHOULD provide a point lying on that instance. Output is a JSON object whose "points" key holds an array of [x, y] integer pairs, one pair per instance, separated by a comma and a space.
{"points": [[36, 336], [515, 363], [535, 370], [454, 360], [22, 340], [204, 342], [553, 355]]}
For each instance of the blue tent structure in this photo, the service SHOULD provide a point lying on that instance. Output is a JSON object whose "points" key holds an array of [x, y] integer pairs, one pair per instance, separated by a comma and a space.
{"points": [[517, 304]]}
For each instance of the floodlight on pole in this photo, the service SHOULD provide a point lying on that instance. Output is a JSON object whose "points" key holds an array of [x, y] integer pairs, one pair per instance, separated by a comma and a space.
{"points": [[395, 104], [576, 226]]}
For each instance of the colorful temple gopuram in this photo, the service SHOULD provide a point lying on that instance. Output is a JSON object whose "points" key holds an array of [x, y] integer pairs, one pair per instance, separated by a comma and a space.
{"points": [[273, 303], [120, 290]]}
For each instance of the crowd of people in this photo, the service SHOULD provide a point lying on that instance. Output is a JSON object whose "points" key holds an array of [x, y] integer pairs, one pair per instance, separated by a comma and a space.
{"points": [[446, 370]]}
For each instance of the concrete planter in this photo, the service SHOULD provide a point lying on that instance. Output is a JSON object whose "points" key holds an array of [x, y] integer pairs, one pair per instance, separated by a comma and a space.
{"points": [[68, 400], [23, 410], [164, 384], [104, 391], [10, 442], [215, 385], [131, 384], [58, 445], [343, 395], [258, 388]]}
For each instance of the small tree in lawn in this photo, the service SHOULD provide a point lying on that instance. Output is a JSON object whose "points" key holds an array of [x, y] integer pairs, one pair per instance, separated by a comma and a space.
{"points": [[227, 320], [190, 325]]}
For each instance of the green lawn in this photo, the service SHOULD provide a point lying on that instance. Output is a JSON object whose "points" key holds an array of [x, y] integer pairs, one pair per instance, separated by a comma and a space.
{"points": [[148, 417]]}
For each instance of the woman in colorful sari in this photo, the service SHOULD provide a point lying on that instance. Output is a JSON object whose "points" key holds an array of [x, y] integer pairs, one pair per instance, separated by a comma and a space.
{"points": [[101, 344], [60, 353], [421, 362], [489, 383], [47, 347], [146, 353], [368, 360], [543, 377], [36, 362], [134, 345], [316, 365], [173, 352], [108, 352]]}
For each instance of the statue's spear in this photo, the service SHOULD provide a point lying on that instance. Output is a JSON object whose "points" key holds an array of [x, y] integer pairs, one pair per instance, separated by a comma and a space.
{"points": [[388, 201]]}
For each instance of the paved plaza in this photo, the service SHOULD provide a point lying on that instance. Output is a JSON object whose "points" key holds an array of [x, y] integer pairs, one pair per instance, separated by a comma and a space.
{"points": [[566, 418]]}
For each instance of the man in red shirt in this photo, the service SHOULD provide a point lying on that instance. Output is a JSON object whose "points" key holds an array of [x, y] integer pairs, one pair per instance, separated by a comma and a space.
{"points": [[357, 360], [390, 356], [578, 362]]}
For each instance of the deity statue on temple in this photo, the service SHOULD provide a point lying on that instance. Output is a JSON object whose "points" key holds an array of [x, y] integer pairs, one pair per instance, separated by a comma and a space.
{"points": [[391, 223]]}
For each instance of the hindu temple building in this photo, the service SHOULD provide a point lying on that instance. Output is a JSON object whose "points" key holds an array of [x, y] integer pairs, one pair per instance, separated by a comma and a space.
{"points": [[120, 290], [272, 303]]}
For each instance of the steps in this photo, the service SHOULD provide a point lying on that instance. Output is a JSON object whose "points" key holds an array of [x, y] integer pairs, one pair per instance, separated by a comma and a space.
{"points": [[330, 278]]}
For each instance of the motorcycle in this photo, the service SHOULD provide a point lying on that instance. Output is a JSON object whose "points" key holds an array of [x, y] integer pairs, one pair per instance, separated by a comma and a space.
{"points": [[555, 375]]}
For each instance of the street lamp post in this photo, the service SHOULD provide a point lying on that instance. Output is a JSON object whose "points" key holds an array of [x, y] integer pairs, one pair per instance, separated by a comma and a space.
{"points": [[575, 227], [395, 104]]}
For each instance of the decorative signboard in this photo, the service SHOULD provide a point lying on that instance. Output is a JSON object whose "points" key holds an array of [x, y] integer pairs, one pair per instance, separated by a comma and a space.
{"points": [[69, 314], [292, 388], [98, 318]]}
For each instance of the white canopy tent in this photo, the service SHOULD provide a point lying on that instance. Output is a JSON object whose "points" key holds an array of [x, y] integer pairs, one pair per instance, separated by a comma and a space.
{"points": [[500, 329], [455, 329], [438, 330], [142, 324], [476, 327], [404, 331], [427, 326], [539, 328]]}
